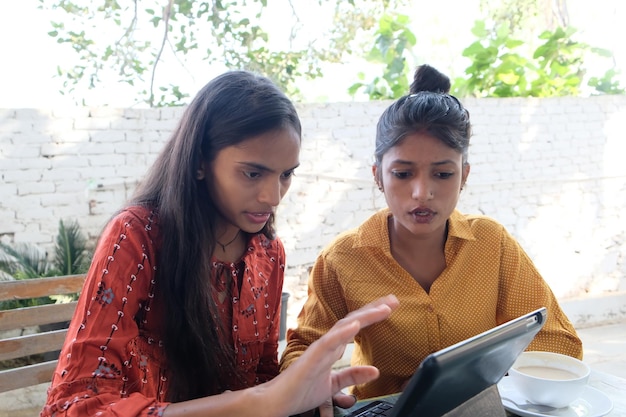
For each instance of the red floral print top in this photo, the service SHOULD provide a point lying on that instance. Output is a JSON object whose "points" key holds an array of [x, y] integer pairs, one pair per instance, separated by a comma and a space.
{"points": [[113, 362]]}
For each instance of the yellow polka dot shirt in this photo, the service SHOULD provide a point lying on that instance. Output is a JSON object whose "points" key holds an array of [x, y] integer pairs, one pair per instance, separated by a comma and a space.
{"points": [[488, 280]]}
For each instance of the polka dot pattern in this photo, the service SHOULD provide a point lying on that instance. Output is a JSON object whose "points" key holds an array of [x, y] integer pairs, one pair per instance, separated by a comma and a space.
{"points": [[488, 280]]}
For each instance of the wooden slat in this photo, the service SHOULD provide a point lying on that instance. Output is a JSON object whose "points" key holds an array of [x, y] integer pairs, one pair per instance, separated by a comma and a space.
{"points": [[26, 376], [40, 287], [48, 341], [34, 316], [32, 344]]}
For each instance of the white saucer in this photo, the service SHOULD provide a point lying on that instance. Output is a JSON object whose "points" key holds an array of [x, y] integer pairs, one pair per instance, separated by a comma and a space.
{"points": [[592, 403]]}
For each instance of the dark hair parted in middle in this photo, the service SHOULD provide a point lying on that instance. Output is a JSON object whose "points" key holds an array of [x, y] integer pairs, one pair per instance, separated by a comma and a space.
{"points": [[229, 110], [428, 109]]}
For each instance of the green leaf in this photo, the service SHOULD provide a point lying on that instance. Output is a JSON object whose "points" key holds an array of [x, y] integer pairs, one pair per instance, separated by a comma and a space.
{"points": [[479, 30], [508, 78], [602, 52], [502, 31], [69, 249]]}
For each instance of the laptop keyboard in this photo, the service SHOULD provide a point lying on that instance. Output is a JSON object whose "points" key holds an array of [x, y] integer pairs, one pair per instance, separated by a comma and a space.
{"points": [[373, 409]]}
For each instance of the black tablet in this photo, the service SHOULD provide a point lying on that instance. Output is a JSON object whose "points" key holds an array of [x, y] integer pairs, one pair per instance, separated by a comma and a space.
{"points": [[449, 377]]}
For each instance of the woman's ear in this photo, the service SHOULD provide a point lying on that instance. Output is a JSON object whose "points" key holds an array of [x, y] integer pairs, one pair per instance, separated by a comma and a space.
{"points": [[200, 172], [377, 180], [465, 174]]}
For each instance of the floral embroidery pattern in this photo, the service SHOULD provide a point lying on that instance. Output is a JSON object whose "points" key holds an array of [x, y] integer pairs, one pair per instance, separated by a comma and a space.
{"points": [[117, 341], [104, 296], [106, 370]]}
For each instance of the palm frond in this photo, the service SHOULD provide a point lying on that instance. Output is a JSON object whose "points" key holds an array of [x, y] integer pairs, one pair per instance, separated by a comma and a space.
{"points": [[70, 249], [24, 261], [7, 261]]}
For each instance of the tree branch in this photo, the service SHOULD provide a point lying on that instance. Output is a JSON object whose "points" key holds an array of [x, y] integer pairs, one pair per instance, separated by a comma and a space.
{"points": [[166, 20]]}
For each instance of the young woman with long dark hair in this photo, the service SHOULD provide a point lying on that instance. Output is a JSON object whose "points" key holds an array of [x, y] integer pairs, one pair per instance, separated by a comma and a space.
{"points": [[179, 314]]}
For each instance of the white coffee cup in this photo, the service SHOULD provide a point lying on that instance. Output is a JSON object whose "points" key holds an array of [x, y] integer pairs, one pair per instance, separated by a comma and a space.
{"points": [[549, 378]]}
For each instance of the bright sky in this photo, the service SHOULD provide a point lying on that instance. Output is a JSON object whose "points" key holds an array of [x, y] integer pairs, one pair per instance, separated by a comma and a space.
{"points": [[30, 56], [29, 79]]}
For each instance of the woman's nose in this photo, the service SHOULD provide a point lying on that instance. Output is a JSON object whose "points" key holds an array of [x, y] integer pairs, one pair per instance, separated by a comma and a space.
{"points": [[271, 193], [422, 190]]}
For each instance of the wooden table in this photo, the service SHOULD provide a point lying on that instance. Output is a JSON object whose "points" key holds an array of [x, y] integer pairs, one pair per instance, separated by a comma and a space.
{"points": [[613, 386]]}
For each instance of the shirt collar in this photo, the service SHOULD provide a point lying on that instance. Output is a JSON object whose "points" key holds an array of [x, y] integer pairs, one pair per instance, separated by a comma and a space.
{"points": [[375, 232], [459, 226]]}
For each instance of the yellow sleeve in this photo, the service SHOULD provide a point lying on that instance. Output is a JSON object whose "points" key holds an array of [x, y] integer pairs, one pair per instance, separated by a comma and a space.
{"points": [[523, 290], [322, 309]]}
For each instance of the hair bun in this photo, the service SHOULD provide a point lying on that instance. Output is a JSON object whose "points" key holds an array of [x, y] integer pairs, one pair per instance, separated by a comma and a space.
{"points": [[427, 78]]}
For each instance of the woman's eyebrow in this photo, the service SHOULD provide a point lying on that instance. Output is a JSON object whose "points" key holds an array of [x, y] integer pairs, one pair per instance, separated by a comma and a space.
{"points": [[444, 162], [256, 166], [436, 163], [260, 167]]}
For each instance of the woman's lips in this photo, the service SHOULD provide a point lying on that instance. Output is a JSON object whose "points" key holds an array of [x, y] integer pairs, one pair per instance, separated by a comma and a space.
{"points": [[258, 218], [423, 215]]}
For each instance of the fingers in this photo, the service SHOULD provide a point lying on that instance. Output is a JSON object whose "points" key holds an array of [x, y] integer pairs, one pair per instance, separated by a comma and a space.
{"points": [[373, 312], [334, 342], [310, 380], [343, 332], [326, 409], [344, 400], [389, 300], [353, 375]]}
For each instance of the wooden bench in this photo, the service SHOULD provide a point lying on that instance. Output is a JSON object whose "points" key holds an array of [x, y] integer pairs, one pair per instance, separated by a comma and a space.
{"points": [[39, 342]]}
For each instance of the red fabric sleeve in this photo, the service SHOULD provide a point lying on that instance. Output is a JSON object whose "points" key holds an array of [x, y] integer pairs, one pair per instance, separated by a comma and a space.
{"points": [[106, 366]]}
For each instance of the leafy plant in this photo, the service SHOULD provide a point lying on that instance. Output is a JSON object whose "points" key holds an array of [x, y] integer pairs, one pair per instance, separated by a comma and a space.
{"points": [[24, 261], [555, 69], [559, 70], [607, 83], [145, 36], [393, 40], [70, 255], [495, 70]]}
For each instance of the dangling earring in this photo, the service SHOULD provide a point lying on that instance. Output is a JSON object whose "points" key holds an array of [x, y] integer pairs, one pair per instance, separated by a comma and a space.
{"points": [[200, 174]]}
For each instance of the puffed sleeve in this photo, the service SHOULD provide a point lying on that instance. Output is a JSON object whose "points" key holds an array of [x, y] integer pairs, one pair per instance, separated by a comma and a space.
{"points": [[523, 290], [322, 309], [98, 373]]}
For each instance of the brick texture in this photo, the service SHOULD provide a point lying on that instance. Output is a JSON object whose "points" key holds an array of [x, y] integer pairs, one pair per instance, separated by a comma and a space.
{"points": [[551, 170]]}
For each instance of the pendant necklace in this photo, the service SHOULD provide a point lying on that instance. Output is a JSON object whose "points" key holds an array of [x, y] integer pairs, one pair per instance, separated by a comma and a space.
{"points": [[223, 245]]}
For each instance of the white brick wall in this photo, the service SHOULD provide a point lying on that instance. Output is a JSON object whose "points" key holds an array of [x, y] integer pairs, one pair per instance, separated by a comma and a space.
{"points": [[551, 170]]}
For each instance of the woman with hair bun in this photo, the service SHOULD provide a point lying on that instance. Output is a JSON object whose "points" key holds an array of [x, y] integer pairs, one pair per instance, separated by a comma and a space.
{"points": [[427, 78], [455, 275]]}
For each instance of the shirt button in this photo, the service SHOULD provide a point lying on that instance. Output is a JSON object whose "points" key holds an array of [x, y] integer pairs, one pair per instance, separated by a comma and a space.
{"points": [[430, 309]]}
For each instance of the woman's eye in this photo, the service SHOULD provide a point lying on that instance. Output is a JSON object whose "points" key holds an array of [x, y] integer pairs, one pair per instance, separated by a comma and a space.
{"points": [[444, 175], [252, 174], [288, 174], [401, 174]]}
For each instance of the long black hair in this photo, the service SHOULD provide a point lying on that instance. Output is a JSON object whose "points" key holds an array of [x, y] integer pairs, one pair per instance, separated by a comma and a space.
{"points": [[229, 110]]}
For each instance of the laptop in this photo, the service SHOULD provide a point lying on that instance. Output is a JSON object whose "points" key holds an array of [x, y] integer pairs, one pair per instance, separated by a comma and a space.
{"points": [[449, 377]]}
